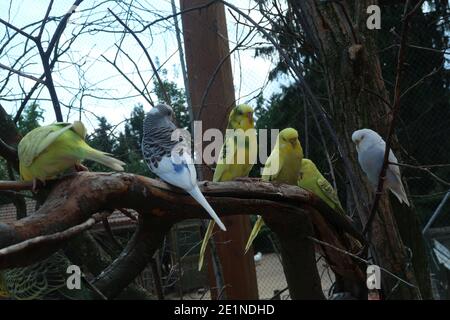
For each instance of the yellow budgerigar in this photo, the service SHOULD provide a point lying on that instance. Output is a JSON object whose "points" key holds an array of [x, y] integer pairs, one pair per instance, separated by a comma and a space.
{"points": [[236, 157], [283, 166], [47, 151], [312, 180]]}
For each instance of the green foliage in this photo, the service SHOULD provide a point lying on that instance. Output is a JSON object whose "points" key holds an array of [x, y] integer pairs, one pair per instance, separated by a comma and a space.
{"points": [[102, 139], [30, 118], [129, 143]]}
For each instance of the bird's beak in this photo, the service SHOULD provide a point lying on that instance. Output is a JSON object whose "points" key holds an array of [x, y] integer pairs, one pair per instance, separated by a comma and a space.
{"points": [[250, 117], [293, 142], [357, 142]]}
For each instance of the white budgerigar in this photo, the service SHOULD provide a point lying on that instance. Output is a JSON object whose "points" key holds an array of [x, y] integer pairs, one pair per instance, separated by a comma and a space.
{"points": [[168, 158], [371, 148]]}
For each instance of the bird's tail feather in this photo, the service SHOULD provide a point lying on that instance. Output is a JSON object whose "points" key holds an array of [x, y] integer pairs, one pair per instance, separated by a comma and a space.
{"points": [[399, 191], [206, 238], [197, 195], [258, 225], [105, 159]]}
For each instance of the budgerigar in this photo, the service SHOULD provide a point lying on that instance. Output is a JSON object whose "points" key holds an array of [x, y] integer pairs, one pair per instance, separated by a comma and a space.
{"points": [[169, 158], [40, 279], [242, 141], [371, 147], [312, 180], [283, 166], [47, 151]]}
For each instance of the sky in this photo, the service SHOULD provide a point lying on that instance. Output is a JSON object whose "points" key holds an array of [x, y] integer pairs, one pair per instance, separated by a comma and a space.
{"points": [[104, 91]]}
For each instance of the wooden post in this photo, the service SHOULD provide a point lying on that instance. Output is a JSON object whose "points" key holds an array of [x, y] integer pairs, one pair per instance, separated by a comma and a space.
{"points": [[206, 45]]}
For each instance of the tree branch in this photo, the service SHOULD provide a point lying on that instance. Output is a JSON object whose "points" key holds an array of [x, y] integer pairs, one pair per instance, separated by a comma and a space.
{"points": [[75, 198]]}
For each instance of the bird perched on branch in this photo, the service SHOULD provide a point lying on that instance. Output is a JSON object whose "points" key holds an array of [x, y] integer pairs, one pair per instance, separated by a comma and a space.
{"points": [[371, 148], [283, 166], [312, 180], [39, 280], [167, 155], [236, 158], [47, 151]]}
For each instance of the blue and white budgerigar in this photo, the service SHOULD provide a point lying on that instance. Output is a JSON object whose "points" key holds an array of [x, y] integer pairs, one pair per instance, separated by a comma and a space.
{"points": [[169, 158], [371, 147]]}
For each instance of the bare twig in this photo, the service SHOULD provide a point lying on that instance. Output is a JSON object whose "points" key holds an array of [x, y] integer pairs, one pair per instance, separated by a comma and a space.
{"points": [[58, 236], [354, 256], [155, 70], [20, 73]]}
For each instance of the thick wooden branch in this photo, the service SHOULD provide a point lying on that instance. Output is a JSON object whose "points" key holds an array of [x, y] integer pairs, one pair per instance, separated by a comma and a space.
{"points": [[75, 199]]}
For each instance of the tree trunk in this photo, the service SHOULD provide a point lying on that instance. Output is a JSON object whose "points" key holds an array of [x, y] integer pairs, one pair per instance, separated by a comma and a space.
{"points": [[357, 96]]}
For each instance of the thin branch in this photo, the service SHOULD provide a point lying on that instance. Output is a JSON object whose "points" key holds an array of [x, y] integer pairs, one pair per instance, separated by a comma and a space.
{"points": [[20, 73], [55, 237], [155, 70], [129, 80], [20, 31], [61, 26], [354, 256], [44, 21], [422, 168], [9, 154]]}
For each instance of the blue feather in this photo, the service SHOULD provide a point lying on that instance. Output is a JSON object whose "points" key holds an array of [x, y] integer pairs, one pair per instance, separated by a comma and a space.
{"points": [[178, 167]]}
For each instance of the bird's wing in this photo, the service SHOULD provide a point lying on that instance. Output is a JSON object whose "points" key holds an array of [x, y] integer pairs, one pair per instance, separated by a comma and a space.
{"points": [[329, 191], [36, 141], [235, 159], [178, 172], [393, 168], [371, 161], [394, 180], [226, 152], [272, 166]]}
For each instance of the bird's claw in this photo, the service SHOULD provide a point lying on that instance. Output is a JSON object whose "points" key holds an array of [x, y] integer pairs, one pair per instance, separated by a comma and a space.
{"points": [[35, 186], [79, 167]]}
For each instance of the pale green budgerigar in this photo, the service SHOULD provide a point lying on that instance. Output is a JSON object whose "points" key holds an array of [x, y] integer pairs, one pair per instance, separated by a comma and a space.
{"points": [[312, 180], [47, 151]]}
